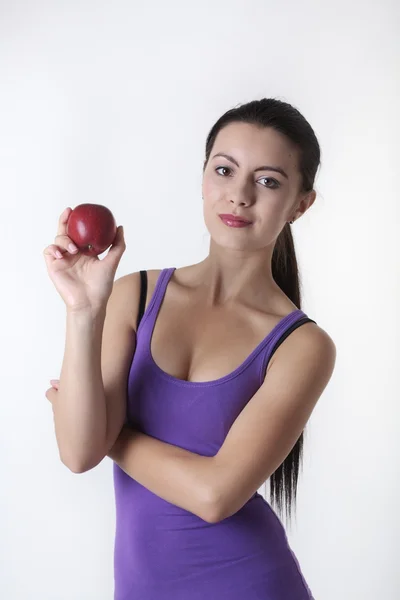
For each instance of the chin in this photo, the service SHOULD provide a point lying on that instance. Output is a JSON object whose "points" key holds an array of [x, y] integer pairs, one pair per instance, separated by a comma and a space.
{"points": [[227, 239]]}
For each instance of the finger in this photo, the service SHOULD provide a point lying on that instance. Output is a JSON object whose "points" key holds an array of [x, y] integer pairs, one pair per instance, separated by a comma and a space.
{"points": [[63, 220], [53, 252], [65, 244], [117, 249]]}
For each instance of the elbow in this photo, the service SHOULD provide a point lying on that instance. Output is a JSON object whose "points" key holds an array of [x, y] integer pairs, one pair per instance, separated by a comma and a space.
{"points": [[221, 506], [212, 514], [79, 465], [75, 468], [212, 510]]}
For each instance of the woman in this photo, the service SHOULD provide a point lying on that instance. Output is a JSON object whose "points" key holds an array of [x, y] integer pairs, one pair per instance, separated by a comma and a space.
{"points": [[199, 387]]}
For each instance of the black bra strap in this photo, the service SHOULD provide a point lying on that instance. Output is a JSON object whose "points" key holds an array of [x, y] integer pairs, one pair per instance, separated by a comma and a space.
{"points": [[289, 331], [143, 296]]}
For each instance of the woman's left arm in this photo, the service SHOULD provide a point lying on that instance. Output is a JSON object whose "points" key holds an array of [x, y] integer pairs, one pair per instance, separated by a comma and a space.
{"points": [[258, 441], [175, 474]]}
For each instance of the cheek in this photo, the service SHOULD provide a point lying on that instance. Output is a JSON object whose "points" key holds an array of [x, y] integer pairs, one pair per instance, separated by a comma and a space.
{"points": [[211, 208], [211, 205], [211, 197], [209, 189]]}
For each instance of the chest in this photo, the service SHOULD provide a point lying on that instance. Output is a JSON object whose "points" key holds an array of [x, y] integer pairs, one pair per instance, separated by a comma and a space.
{"points": [[197, 345]]}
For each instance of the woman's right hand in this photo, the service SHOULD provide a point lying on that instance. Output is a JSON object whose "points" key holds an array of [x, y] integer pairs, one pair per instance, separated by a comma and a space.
{"points": [[83, 282]]}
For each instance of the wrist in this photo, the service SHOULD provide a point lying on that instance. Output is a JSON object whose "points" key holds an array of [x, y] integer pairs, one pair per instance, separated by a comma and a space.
{"points": [[83, 315]]}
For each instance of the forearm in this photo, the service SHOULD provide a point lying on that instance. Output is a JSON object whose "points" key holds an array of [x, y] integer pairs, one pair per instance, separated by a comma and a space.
{"points": [[80, 411], [176, 475]]}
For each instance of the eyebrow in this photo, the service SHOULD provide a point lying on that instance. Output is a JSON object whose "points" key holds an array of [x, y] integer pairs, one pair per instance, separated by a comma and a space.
{"points": [[262, 168]]}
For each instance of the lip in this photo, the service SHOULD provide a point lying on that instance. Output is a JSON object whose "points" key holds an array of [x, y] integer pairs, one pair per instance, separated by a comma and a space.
{"points": [[235, 219]]}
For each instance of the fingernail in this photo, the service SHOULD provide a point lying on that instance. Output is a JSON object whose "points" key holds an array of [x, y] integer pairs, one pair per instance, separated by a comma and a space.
{"points": [[72, 248]]}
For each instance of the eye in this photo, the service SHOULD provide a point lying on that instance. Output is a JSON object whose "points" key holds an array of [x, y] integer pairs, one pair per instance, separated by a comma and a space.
{"points": [[275, 183], [218, 168]]}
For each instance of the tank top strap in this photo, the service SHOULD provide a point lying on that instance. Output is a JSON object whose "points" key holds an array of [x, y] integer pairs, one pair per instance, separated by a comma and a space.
{"points": [[284, 328], [150, 314]]}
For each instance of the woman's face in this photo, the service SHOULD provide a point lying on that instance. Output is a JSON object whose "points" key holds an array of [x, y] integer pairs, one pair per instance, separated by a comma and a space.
{"points": [[266, 197]]}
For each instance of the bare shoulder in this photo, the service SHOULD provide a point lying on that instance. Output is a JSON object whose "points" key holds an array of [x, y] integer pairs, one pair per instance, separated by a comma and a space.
{"points": [[127, 290], [313, 344]]}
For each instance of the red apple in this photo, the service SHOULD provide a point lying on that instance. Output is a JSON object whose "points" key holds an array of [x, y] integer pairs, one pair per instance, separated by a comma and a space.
{"points": [[92, 228]]}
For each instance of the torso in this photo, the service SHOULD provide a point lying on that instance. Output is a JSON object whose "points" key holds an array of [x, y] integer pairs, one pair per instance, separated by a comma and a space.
{"points": [[205, 344]]}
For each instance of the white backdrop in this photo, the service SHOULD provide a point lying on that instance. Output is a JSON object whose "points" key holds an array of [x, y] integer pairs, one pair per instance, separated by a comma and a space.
{"points": [[111, 102]]}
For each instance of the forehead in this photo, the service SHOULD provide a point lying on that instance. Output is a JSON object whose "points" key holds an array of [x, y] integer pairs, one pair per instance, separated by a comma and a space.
{"points": [[253, 146]]}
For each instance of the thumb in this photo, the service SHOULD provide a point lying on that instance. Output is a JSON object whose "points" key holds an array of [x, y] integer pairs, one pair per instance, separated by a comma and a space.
{"points": [[117, 249]]}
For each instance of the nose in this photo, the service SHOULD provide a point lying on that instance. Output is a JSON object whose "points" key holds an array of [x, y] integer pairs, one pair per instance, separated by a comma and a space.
{"points": [[241, 195], [240, 201]]}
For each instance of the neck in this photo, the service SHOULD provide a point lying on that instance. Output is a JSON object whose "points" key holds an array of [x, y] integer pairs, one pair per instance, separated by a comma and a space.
{"points": [[233, 279]]}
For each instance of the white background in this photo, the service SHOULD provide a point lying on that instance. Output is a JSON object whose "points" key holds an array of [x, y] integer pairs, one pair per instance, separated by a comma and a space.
{"points": [[111, 103]]}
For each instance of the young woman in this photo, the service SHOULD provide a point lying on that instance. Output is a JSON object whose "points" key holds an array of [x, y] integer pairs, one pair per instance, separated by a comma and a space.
{"points": [[199, 381]]}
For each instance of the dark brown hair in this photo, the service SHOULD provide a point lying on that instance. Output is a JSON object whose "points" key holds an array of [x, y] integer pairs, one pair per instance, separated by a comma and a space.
{"points": [[283, 117]]}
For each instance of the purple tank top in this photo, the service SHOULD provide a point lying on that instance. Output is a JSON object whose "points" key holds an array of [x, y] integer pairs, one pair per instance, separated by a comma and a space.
{"points": [[163, 552]]}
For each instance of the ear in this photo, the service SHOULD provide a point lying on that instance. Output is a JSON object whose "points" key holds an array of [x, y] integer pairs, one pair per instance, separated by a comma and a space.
{"points": [[307, 200], [310, 198]]}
